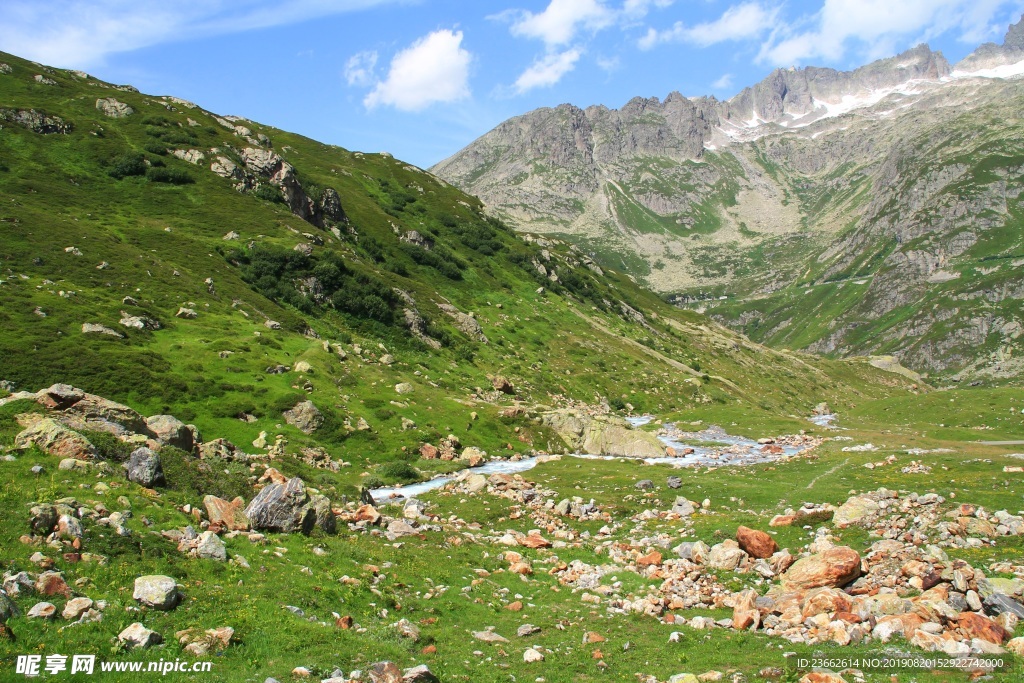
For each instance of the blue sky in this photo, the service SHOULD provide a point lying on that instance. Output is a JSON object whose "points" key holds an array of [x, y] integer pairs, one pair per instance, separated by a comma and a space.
{"points": [[423, 78]]}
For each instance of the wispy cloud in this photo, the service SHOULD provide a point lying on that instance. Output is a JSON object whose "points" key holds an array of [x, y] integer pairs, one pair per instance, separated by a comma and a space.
{"points": [[740, 22], [360, 68], [876, 28], [547, 70], [83, 32], [723, 83], [562, 19], [433, 69]]}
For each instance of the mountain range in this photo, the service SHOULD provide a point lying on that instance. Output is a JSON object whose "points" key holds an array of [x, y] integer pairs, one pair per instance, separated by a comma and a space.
{"points": [[870, 211]]}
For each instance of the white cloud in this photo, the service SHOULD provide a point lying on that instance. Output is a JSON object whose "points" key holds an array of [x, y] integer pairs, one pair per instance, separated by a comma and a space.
{"points": [[81, 33], [877, 27], [547, 70], [739, 22], [723, 83], [360, 67], [559, 22], [637, 9], [433, 69]]}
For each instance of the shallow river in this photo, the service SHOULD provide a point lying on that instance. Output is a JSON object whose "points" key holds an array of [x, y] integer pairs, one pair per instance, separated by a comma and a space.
{"points": [[711, 447]]}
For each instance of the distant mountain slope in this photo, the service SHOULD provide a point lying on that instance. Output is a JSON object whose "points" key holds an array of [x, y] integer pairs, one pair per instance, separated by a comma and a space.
{"points": [[225, 272], [846, 212]]}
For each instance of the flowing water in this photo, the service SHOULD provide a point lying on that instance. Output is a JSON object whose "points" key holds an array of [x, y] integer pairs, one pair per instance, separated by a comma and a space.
{"points": [[712, 447]]}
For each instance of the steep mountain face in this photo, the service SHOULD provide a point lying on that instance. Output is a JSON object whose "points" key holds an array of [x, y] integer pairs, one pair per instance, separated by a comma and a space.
{"points": [[843, 212]]}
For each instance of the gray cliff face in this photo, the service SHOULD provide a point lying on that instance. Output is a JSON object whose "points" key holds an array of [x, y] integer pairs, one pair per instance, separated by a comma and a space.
{"points": [[892, 227]]}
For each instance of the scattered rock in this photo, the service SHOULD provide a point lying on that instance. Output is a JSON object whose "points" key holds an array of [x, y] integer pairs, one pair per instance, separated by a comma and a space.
{"points": [[210, 547], [76, 607], [144, 468], [138, 635], [42, 610], [157, 591]]}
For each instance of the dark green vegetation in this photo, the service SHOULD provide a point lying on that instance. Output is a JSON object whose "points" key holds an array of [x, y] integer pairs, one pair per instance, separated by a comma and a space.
{"points": [[103, 222]]}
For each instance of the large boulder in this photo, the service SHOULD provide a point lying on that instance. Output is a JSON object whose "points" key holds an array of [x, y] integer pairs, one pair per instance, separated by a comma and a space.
{"points": [[144, 468], [228, 515], [305, 417], [287, 508], [54, 438], [756, 543], [98, 413], [832, 568], [156, 591], [855, 510], [604, 435], [170, 431]]}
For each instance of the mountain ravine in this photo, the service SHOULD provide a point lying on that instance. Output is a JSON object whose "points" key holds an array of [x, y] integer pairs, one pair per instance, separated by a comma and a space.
{"points": [[871, 211]]}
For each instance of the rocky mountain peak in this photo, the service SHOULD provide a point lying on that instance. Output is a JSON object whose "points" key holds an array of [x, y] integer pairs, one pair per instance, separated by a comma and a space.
{"points": [[1014, 38], [992, 56]]}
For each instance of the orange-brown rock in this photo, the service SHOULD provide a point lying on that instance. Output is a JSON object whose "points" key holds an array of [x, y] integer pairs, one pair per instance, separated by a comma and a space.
{"points": [[52, 583], [782, 520], [822, 677], [745, 619], [651, 559], [366, 513], [834, 567], [428, 452], [976, 626], [756, 543], [516, 606], [521, 568], [534, 541], [273, 476], [593, 637], [230, 516], [344, 623], [826, 601]]}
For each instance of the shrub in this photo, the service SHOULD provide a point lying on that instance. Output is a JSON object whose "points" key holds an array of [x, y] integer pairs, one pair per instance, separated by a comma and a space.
{"points": [[109, 447], [127, 164], [399, 471], [201, 477], [156, 148], [171, 176], [268, 193]]}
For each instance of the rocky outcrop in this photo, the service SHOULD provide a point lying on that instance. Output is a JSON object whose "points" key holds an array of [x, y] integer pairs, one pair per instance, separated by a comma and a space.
{"points": [[602, 435], [265, 165], [54, 438], [287, 508], [36, 121], [108, 106]]}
